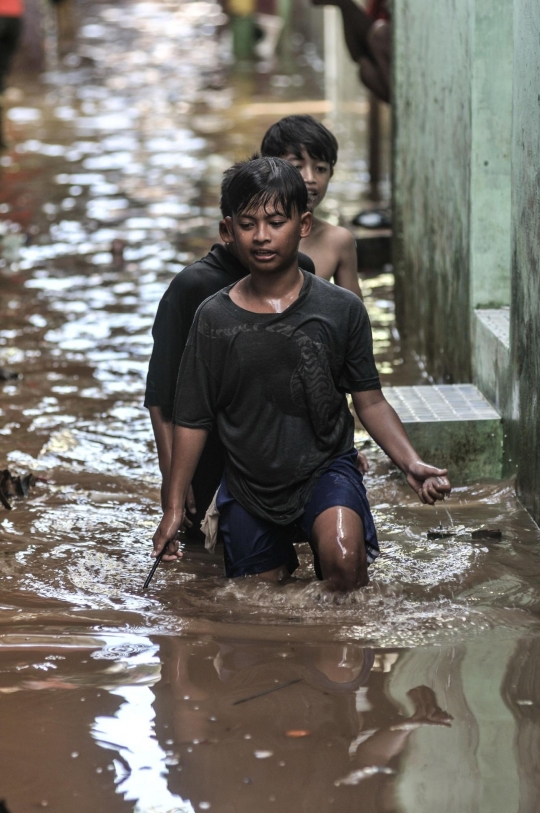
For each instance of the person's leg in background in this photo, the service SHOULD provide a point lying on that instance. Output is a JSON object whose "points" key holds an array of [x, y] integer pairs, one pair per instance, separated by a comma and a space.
{"points": [[356, 26], [375, 71], [10, 33], [368, 39], [368, 42], [270, 25]]}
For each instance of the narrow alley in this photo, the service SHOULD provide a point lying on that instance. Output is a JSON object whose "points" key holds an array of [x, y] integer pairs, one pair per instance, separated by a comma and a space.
{"points": [[416, 693]]}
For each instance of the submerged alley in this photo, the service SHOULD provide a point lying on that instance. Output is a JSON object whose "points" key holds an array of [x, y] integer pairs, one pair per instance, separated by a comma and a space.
{"points": [[417, 693]]}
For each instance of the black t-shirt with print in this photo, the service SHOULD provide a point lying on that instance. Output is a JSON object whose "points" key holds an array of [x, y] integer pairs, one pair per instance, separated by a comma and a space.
{"points": [[176, 311], [175, 314], [275, 386]]}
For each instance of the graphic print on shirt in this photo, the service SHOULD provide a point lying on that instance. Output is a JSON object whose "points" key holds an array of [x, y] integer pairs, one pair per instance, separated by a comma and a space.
{"points": [[308, 392]]}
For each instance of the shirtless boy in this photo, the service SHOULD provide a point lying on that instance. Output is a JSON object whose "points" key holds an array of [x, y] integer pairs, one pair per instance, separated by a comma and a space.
{"points": [[310, 147], [269, 361]]}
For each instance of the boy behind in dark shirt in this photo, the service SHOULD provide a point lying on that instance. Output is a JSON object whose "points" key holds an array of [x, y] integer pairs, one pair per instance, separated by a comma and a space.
{"points": [[269, 360], [177, 308]]}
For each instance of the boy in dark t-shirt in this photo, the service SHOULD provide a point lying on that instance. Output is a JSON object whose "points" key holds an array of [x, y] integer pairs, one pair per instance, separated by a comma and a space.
{"points": [[177, 308], [269, 361]]}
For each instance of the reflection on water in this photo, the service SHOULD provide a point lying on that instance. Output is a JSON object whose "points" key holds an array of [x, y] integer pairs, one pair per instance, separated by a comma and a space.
{"points": [[140, 764], [233, 723], [201, 693]]}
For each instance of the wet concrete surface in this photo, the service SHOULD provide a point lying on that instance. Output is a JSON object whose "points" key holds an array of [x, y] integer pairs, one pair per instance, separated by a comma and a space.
{"points": [[418, 693]]}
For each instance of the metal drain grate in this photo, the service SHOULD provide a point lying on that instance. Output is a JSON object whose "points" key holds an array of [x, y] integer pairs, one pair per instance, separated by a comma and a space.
{"points": [[447, 402]]}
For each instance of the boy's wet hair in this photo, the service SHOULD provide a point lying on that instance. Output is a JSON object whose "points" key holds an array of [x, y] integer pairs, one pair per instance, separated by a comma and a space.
{"points": [[228, 175], [264, 182], [290, 134]]}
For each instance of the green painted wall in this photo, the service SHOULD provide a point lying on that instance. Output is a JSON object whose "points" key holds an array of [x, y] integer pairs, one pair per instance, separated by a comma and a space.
{"points": [[525, 307], [467, 203], [491, 153], [452, 108], [432, 146]]}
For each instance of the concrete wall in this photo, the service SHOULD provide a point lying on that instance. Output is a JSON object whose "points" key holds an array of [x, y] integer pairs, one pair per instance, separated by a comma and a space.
{"points": [[452, 106], [467, 205], [432, 145], [491, 134], [525, 307]]}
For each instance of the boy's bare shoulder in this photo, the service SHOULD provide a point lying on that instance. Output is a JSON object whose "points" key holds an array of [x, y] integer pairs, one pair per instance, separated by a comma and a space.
{"points": [[338, 236]]}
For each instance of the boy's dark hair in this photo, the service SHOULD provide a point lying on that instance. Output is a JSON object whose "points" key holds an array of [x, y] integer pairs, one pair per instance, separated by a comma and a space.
{"points": [[248, 185], [294, 132], [228, 175]]}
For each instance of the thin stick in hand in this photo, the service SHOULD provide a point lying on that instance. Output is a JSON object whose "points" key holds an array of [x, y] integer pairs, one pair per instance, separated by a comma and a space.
{"points": [[154, 567]]}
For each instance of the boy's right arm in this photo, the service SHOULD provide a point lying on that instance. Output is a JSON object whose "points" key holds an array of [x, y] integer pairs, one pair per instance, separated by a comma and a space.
{"points": [[163, 434], [169, 332], [187, 447]]}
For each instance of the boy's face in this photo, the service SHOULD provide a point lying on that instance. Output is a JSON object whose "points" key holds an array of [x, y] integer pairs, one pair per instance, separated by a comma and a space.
{"points": [[265, 239], [315, 172]]}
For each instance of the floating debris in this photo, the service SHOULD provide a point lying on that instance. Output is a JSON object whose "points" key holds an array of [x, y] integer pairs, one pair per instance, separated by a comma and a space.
{"points": [[267, 691], [11, 486], [442, 532], [487, 533], [297, 733], [8, 375]]}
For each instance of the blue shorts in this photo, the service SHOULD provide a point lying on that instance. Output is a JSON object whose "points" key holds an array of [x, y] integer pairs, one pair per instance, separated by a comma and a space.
{"points": [[253, 545]]}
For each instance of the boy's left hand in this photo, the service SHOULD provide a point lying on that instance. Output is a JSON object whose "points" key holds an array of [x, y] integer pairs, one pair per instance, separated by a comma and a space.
{"points": [[430, 483]]}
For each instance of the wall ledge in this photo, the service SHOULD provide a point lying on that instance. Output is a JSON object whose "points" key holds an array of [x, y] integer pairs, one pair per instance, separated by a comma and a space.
{"points": [[491, 356], [497, 322]]}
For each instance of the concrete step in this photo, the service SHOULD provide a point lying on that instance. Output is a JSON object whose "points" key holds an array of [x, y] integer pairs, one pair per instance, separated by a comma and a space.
{"points": [[454, 426], [492, 367]]}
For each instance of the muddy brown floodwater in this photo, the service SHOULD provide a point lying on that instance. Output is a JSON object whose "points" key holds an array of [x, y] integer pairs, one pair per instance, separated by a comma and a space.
{"points": [[417, 694]]}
